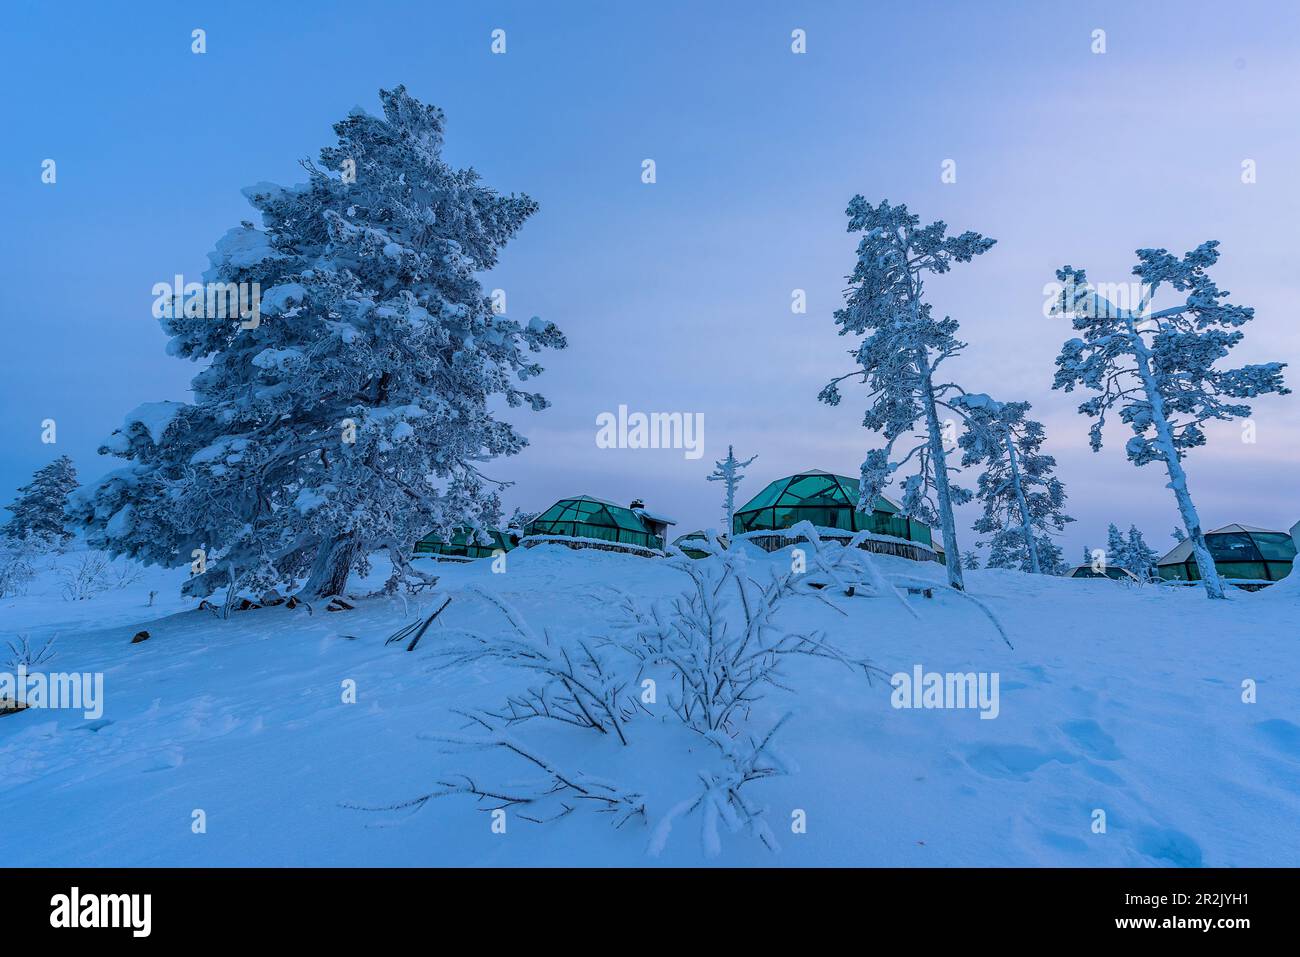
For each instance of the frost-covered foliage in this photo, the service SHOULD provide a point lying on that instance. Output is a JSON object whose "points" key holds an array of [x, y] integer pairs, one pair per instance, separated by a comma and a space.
{"points": [[719, 646], [356, 414], [1023, 500], [85, 576], [970, 559], [22, 654], [1116, 548], [1141, 557], [730, 471], [17, 566], [1157, 368], [520, 519], [1051, 560], [38, 509], [1131, 552], [902, 347], [685, 674]]}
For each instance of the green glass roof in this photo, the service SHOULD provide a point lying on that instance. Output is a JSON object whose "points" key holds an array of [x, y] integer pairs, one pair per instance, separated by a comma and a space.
{"points": [[464, 539], [826, 500], [815, 488], [585, 516], [593, 511]]}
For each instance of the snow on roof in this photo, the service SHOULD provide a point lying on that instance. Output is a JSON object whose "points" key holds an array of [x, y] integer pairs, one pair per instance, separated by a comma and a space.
{"points": [[654, 516]]}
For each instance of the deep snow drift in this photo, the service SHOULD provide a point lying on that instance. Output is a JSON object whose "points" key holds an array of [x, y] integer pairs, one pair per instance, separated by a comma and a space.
{"points": [[1123, 699]]}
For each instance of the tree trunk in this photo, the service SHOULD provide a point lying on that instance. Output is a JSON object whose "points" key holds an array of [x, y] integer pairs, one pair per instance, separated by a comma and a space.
{"points": [[1027, 527], [1177, 477], [1204, 561], [939, 462], [330, 570]]}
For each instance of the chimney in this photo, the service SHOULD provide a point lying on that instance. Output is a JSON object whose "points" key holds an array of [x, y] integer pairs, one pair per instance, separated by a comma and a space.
{"points": [[637, 503]]}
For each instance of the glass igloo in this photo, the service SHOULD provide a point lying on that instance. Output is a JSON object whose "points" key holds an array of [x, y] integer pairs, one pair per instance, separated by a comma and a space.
{"points": [[587, 517], [1242, 554], [828, 501], [466, 544]]}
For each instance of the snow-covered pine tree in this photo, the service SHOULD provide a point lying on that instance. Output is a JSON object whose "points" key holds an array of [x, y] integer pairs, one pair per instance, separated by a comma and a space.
{"points": [[1051, 560], [1141, 557], [38, 511], [1158, 368], [902, 348], [970, 559], [1023, 500], [520, 519], [731, 471], [357, 414], [1117, 549]]}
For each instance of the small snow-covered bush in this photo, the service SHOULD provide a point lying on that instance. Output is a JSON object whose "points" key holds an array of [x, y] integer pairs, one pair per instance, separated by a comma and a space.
{"points": [[125, 573], [86, 576], [22, 654], [16, 570], [717, 650], [720, 644]]}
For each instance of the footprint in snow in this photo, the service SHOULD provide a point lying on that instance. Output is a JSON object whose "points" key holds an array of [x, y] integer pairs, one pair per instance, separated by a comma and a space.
{"points": [[98, 725], [167, 759], [1013, 761], [1089, 736], [1167, 844], [1282, 734]]}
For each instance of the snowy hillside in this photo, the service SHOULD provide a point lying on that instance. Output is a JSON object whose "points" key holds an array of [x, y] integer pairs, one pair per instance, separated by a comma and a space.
{"points": [[1118, 698]]}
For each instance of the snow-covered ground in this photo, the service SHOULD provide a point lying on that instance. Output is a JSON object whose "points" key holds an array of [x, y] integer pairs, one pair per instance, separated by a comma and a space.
{"points": [[1118, 698]]}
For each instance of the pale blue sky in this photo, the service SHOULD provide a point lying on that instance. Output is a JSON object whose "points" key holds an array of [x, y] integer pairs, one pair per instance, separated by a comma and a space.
{"points": [[676, 296]]}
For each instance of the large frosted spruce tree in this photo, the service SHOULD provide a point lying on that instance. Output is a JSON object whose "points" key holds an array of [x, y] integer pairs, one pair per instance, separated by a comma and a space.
{"points": [[902, 348], [357, 413]]}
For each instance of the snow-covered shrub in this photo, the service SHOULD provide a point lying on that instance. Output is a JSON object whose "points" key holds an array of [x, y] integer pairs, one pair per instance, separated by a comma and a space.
{"points": [[721, 799], [718, 650], [22, 654], [86, 576], [125, 573], [576, 683], [16, 568], [720, 644], [555, 793]]}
